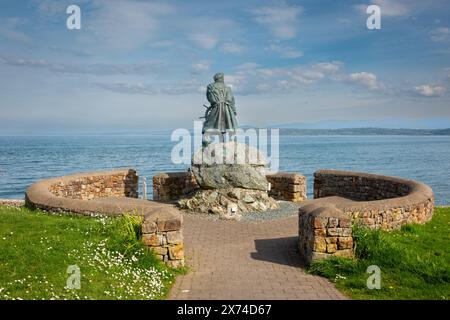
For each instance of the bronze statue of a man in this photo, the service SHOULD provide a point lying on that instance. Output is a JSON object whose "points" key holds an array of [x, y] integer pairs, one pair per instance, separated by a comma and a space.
{"points": [[220, 116]]}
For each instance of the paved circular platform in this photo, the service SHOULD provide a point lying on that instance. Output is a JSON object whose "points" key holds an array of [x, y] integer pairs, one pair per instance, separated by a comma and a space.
{"points": [[246, 260]]}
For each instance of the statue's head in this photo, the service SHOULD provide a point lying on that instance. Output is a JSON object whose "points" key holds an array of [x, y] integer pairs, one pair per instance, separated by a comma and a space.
{"points": [[218, 77]]}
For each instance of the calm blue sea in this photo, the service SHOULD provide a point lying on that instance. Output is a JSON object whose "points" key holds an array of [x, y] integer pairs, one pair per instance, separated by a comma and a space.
{"points": [[26, 159]]}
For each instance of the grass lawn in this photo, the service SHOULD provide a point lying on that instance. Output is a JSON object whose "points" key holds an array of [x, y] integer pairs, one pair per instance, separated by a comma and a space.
{"points": [[36, 249], [414, 262]]}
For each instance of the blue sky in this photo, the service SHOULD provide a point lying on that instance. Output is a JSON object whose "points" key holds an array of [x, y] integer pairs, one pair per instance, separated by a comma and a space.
{"points": [[144, 65]]}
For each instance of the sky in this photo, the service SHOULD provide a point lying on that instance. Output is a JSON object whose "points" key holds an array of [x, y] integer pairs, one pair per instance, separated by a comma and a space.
{"points": [[144, 65]]}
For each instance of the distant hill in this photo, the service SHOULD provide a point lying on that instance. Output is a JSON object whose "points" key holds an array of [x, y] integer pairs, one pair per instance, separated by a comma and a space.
{"points": [[388, 124], [366, 132]]}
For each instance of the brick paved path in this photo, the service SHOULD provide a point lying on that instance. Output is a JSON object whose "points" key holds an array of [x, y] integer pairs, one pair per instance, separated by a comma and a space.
{"points": [[246, 260]]}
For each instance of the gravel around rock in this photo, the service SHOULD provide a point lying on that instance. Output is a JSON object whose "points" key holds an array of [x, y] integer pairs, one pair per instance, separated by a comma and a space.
{"points": [[285, 209]]}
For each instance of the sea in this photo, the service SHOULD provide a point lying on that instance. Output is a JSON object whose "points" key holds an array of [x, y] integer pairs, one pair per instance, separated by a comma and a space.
{"points": [[27, 159]]}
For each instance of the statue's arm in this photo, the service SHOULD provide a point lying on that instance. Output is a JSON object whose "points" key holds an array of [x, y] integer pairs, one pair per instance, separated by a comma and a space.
{"points": [[230, 100], [210, 95]]}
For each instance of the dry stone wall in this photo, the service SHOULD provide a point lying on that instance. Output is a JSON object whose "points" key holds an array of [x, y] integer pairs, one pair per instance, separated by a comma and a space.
{"points": [[165, 238], [114, 193], [119, 184], [343, 198], [324, 232], [174, 185], [374, 200], [287, 186]]}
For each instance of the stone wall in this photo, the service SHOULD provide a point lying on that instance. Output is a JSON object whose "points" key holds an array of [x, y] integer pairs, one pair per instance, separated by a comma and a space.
{"points": [[324, 232], [173, 185], [165, 239], [87, 187], [344, 198], [113, 193], [359, 187], [376, 201], [287, 186]]}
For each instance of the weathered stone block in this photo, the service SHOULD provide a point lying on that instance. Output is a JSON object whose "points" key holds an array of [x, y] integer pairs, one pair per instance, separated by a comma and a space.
{"points": [[332, 222], [171, 225], [347, 253], [345, 223], [154, 240], [320, 232], [176, 252], [159, 250], [320, 244], [345, 243], [175, 263], [149, 227], [320, 222], [331, 247], [174, 237], [331, 240]]}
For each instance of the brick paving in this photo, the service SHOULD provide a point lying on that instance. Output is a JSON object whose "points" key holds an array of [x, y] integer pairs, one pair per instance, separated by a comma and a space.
{"points": [[246, 260]]}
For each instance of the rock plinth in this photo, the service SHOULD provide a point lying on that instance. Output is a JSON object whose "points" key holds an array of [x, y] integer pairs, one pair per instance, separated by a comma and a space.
{"points": [[229, 165], [229, 203], [232, 180]]}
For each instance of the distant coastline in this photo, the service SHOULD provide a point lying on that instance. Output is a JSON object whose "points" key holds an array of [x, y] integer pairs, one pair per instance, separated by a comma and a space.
{"points": [[283, 131], [366, 131]]}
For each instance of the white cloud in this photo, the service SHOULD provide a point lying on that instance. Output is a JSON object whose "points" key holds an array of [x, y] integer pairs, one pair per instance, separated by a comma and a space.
{"points": [[329, 67], [285, 52], [251, 78], [163, 43], [280, 20], [14, 35], [204, 40], [366, 79], [201, 67], [231, 47], [51, 8], [126, 25], [143, 68], [9, 29], [389, 8], [440, 34], [428, 90], [150, 89], [206, 32]]}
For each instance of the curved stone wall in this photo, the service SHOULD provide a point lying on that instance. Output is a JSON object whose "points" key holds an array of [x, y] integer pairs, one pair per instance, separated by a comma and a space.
{"points": [[113, 193], [172, 186], [375, 201], [88, 186]]}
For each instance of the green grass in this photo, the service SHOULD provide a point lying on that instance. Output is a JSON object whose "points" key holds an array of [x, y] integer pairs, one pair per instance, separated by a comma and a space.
{"points": [[36, 249], [414, 262]]}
